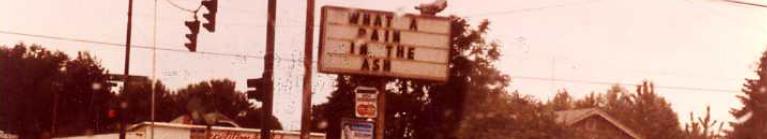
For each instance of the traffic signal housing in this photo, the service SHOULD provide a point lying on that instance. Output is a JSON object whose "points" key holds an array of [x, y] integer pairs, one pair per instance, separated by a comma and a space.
{"points": [[194, 28], [258, 90], [212, 6]]}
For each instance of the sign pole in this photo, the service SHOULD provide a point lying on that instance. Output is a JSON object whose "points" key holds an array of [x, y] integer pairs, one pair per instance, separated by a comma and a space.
{"points": [[306, 111], [380, 120]]}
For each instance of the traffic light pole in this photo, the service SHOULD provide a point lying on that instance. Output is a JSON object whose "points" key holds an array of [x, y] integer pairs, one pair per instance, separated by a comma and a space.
{"points": [[266, 114], [126, 82], [306, 111]]}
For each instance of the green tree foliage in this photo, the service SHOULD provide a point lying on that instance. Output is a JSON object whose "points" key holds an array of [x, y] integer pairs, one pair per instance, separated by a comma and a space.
{"points": [[643, 111], [39, 86], [753, 114], [703, 128], [140, 100], [502, 116], [421, 109], [219, 96], [561, 101]]}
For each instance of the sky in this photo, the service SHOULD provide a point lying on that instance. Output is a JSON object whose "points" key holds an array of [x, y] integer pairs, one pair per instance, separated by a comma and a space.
{"points": [[697, 52]]}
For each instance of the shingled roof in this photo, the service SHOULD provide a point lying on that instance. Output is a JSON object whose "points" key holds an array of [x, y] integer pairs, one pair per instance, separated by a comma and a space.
{"points": [[570, 117]]}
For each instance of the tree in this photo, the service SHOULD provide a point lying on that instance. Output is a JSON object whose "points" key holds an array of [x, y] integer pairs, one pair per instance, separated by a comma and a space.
{"points": [[703, 128], [41, 90], [643, 111], [653, 116], [753, 114], [503, 116], [141, 103], [561, 101], [420, 109], [219, 96]]}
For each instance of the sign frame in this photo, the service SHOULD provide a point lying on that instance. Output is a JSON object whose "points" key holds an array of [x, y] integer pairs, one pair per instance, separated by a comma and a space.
{"points": [[359, 123], [323, 33], [366, 98]]}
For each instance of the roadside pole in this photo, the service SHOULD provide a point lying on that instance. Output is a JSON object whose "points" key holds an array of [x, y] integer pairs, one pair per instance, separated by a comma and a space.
{"points": [[266, 114], [306, 111], [124, 103], [380, 120]]}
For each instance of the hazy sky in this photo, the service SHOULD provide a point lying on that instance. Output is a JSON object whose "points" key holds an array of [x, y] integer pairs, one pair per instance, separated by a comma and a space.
{"points": [[697, 52]]}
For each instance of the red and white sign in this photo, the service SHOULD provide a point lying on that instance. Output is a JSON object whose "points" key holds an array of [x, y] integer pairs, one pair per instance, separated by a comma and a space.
{"points": [[365, 102], [380, 43]]}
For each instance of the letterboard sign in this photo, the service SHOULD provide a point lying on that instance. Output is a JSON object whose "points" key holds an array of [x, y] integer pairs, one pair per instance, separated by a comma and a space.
{"points": [[380, 43]]}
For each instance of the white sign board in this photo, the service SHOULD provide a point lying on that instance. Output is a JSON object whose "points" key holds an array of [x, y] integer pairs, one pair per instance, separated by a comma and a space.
{"points": [[356, 129], [365, 102], [370, 42]]}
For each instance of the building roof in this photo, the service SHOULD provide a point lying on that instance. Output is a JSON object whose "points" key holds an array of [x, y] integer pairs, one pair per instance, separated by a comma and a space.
{"points": [[570, 117]]}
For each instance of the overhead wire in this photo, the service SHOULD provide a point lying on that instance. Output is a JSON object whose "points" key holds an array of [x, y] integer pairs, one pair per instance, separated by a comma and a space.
{"points": [[182, 8], [103, 43], [623, 84], [524, 10]]}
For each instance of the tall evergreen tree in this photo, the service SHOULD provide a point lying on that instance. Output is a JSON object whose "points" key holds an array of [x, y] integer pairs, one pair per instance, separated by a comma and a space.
{"points": [[752, 116]]}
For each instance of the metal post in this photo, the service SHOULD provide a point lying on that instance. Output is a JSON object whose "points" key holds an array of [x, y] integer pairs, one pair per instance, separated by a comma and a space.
{"points": [[380, 120], [126, 82], [154, 72], [306, 111], [266, 114]]}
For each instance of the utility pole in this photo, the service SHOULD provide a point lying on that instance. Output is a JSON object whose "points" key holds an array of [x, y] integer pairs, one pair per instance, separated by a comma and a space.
{"points": [[126, 82], [266, 129], [306, 112]]}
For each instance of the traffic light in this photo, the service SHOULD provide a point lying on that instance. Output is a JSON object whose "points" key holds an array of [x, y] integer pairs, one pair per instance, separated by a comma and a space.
{"points": [[259, 89], [194, 27], [212, 6]]}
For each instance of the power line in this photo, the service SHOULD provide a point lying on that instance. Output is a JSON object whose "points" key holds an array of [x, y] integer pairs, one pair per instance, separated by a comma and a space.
{"points": [[721, 14], [746, 3], [182, 8], [143, 47], [532, 9], [623, 84]]}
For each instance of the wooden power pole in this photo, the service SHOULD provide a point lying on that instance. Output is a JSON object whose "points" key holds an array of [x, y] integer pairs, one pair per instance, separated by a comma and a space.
{"points": [[266, 125], [306, 108]]}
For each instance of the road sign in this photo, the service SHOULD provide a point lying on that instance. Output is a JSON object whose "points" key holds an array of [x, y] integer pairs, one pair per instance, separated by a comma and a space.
{"points": [[356, 129], [370, 42], [366, 102]]}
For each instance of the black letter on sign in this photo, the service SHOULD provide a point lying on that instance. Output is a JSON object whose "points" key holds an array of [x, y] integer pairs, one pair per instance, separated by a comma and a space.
{"points": [[388, 50], [374, 35], [388, 20], [378, 21], [376, 64], [354, 18], [364, 49], [365, 65], [387, 65], [366, 19], [410, 53], [395, 37], [400, 51], [351, 48], [413, 24], [386, 36], [361, 32]]}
